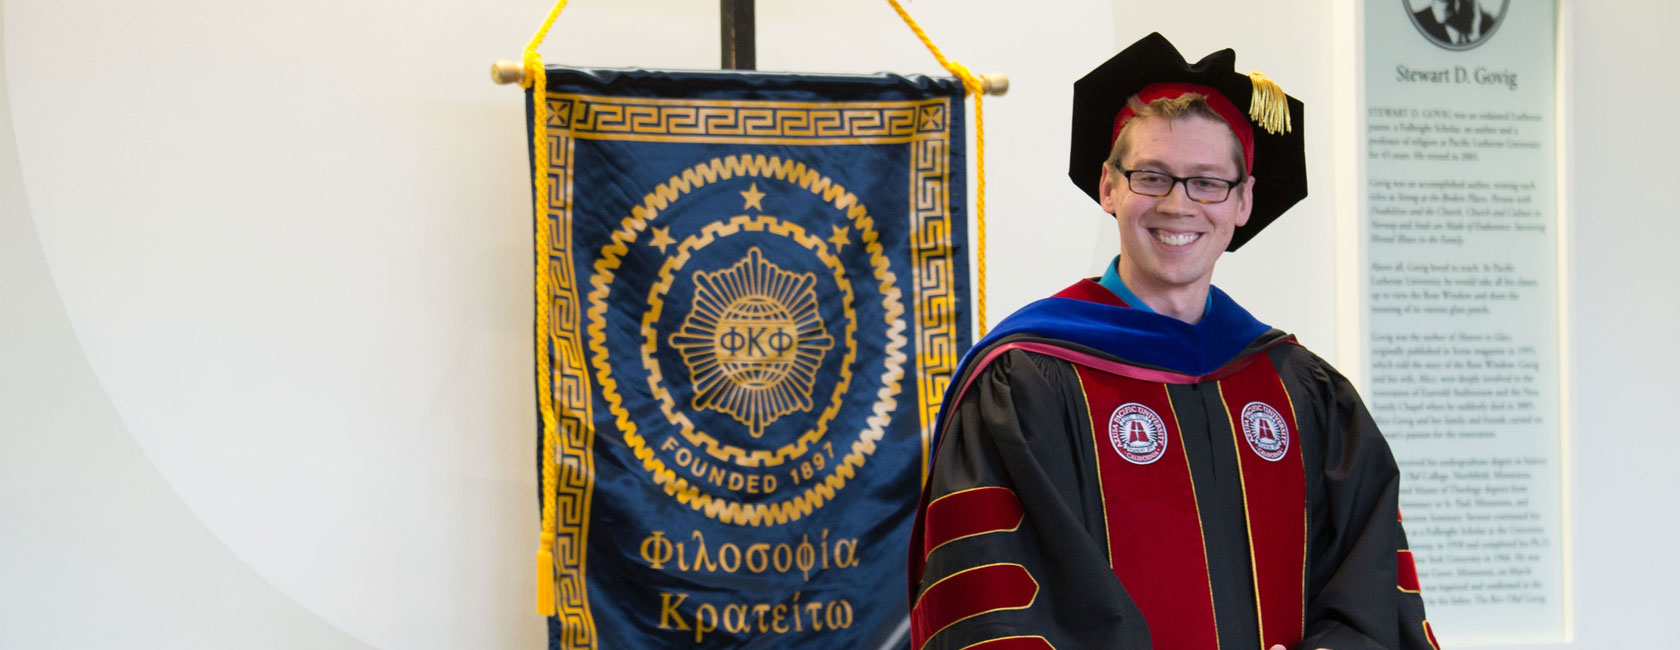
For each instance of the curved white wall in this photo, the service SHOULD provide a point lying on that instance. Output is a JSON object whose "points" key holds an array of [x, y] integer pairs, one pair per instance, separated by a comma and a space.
{"points": [[264, 329], [264, 311], [96, 549]]}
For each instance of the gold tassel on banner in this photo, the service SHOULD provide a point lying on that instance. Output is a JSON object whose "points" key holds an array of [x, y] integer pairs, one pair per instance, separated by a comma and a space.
{"points": [[545, 579], [1269, 107]]}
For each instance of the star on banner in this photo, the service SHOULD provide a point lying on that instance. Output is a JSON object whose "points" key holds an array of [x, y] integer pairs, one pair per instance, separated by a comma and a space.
{"points": [[842, 236], [754, 198], [662, 238]]}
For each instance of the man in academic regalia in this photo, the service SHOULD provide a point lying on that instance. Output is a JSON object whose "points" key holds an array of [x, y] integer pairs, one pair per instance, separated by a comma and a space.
{"points": [[1137, 462]]}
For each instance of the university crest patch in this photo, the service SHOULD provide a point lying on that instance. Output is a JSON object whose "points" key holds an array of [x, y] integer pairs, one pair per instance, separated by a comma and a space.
{"points": [[1137, 433], [1265, 430]]}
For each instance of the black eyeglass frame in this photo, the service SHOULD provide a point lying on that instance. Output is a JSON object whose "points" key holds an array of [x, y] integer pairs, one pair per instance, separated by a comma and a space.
{"points": [[1177, 180]]}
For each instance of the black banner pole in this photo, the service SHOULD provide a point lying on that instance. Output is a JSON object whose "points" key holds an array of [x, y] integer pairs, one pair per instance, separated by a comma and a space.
{"points": [[737, 21]]}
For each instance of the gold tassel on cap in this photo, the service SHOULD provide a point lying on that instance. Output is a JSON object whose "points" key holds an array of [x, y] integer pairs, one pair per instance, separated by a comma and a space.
{"points": [[1270, 107]]}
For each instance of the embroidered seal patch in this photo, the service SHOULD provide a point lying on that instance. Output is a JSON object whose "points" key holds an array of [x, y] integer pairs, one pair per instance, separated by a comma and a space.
{"points": [[1137, 433], [1265, 430]]}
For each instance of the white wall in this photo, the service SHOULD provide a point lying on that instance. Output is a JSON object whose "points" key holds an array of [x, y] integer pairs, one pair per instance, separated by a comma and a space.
{"points": [[1623, 170], [94, 548], [264, 312], [264, 295]]}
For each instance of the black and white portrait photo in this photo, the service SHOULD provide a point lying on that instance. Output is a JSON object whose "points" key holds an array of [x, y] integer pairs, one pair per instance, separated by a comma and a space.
{"points": [[1457, 24]]}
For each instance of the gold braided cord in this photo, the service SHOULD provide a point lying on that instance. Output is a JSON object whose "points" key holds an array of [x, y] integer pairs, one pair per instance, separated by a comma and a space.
{"points": [[542, 32], [1269, 107], [974, 88], [537, 80]]}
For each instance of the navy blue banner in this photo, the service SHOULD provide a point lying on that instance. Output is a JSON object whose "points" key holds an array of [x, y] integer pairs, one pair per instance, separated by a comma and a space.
{"points": [[757, 293]]}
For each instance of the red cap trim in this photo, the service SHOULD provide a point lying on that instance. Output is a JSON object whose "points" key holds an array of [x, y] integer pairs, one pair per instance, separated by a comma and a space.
{"points": [[1234, 116]]}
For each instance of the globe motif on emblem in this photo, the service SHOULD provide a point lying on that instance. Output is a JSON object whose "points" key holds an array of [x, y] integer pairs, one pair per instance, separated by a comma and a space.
{"points": [[754, 341]]}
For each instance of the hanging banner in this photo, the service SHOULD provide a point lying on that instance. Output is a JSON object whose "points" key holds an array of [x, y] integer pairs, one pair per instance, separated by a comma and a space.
{"points": [[1461, 278], [756, 293]]}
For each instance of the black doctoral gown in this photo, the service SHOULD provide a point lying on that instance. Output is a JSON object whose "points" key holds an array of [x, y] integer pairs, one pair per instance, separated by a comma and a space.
{"points": [[1111, 478]]}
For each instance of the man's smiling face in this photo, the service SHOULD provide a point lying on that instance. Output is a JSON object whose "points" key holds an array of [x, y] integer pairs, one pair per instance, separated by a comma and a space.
{"points": [[1169, 244]]}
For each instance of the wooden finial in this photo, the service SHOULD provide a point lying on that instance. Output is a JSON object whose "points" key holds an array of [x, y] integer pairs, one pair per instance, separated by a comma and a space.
{"points": [[505, 72], [994, 84]]}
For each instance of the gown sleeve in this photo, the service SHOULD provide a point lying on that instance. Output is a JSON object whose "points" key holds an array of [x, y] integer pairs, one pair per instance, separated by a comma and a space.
{"points": [[1004, 556], [1362, 584]]}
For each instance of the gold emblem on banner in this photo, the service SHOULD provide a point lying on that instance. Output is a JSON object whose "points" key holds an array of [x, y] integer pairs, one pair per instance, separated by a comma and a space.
{"points": [[753, 341]]}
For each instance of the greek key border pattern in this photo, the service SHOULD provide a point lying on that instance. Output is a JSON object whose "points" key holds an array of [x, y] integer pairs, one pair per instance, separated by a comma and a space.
{"points": [[572, 391], [592, 116], [937, 300]]}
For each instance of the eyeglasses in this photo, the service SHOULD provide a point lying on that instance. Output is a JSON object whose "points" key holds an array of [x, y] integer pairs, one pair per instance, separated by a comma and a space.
{"points": [[1201, 189]]}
